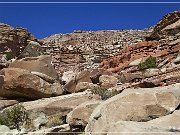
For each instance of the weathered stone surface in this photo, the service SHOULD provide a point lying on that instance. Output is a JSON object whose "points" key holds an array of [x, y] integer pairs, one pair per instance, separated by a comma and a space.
{"points": [[83, 76], [4, 130], [88, 47], [129, 77], [40, 64], [14, 39], [151, 72], [6, 103], [81, 86], [96, 73], [107, 81], [57, 130], [68, 76], [168, 25], [139, 128], [171, 120], [55, 109], [33, 49], [21, 83], [135, 105], [136, 62], [80, 115]]}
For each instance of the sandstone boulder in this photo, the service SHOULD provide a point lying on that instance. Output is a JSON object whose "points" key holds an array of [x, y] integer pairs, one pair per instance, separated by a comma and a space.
{"points": [[134, 105], [81, 86], [21, 83], [54, 109], [96, 73], [68, 76], [83, 76], [107, 81], [80, 115], [151, 72], [129, 77], [40, 64], [33, 49]]}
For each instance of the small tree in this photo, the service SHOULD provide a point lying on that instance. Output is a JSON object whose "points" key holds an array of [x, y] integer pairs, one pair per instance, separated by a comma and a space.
{"points": [[9, 55], [13, 116], [150, 62]]}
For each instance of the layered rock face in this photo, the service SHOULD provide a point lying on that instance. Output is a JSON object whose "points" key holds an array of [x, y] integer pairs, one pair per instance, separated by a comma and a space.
{"points": [[88, 48], [13, 38]]}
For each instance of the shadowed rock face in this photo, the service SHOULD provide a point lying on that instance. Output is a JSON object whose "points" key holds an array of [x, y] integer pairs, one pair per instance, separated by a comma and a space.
{"points": [[169, 21], [13, 38], [40, 64], [20, 83]]}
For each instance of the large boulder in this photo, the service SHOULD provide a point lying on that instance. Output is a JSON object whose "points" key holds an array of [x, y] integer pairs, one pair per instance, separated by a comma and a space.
{"points": [[21, 83], [139, 128], [50, 112], [108, 81], [96, 73], [80, 115], [40, 64], [83, 76], [140, 105], [33, 49]]}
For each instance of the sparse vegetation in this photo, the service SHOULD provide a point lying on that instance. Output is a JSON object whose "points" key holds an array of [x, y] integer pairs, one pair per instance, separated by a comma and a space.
{"points": [[104, 93], [9, 55], [13, 117], [150, 62]]}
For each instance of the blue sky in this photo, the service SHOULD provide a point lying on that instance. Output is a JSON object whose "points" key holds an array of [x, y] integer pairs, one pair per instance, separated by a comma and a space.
{"points": [[46, 19]]}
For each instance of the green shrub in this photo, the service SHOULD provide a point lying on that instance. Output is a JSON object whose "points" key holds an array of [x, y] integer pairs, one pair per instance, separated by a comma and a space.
{"points": [[150, 62], [9, 55], [13, 117], [104, 93]]}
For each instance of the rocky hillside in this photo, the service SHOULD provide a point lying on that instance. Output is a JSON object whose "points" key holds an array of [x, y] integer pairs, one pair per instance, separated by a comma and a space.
{"points": [[13, 38], [92, 82], [88, 48]]}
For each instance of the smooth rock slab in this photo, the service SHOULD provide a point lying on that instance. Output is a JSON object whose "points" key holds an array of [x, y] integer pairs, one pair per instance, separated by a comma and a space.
{"points": [[140, 105], [55, 109], [139, 128], [171, 120], [80, 115]]}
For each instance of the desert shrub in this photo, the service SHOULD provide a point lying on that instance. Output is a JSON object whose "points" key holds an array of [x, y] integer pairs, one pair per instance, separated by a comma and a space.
{"points": [[150, 62], [103, 92], [13, 116], [9, 55]]}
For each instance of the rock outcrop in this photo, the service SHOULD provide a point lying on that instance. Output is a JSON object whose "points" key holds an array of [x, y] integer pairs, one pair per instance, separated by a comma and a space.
{"points": [[134, 105], [20, 83], [41, 64], [54, 110], [14, 39]]}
